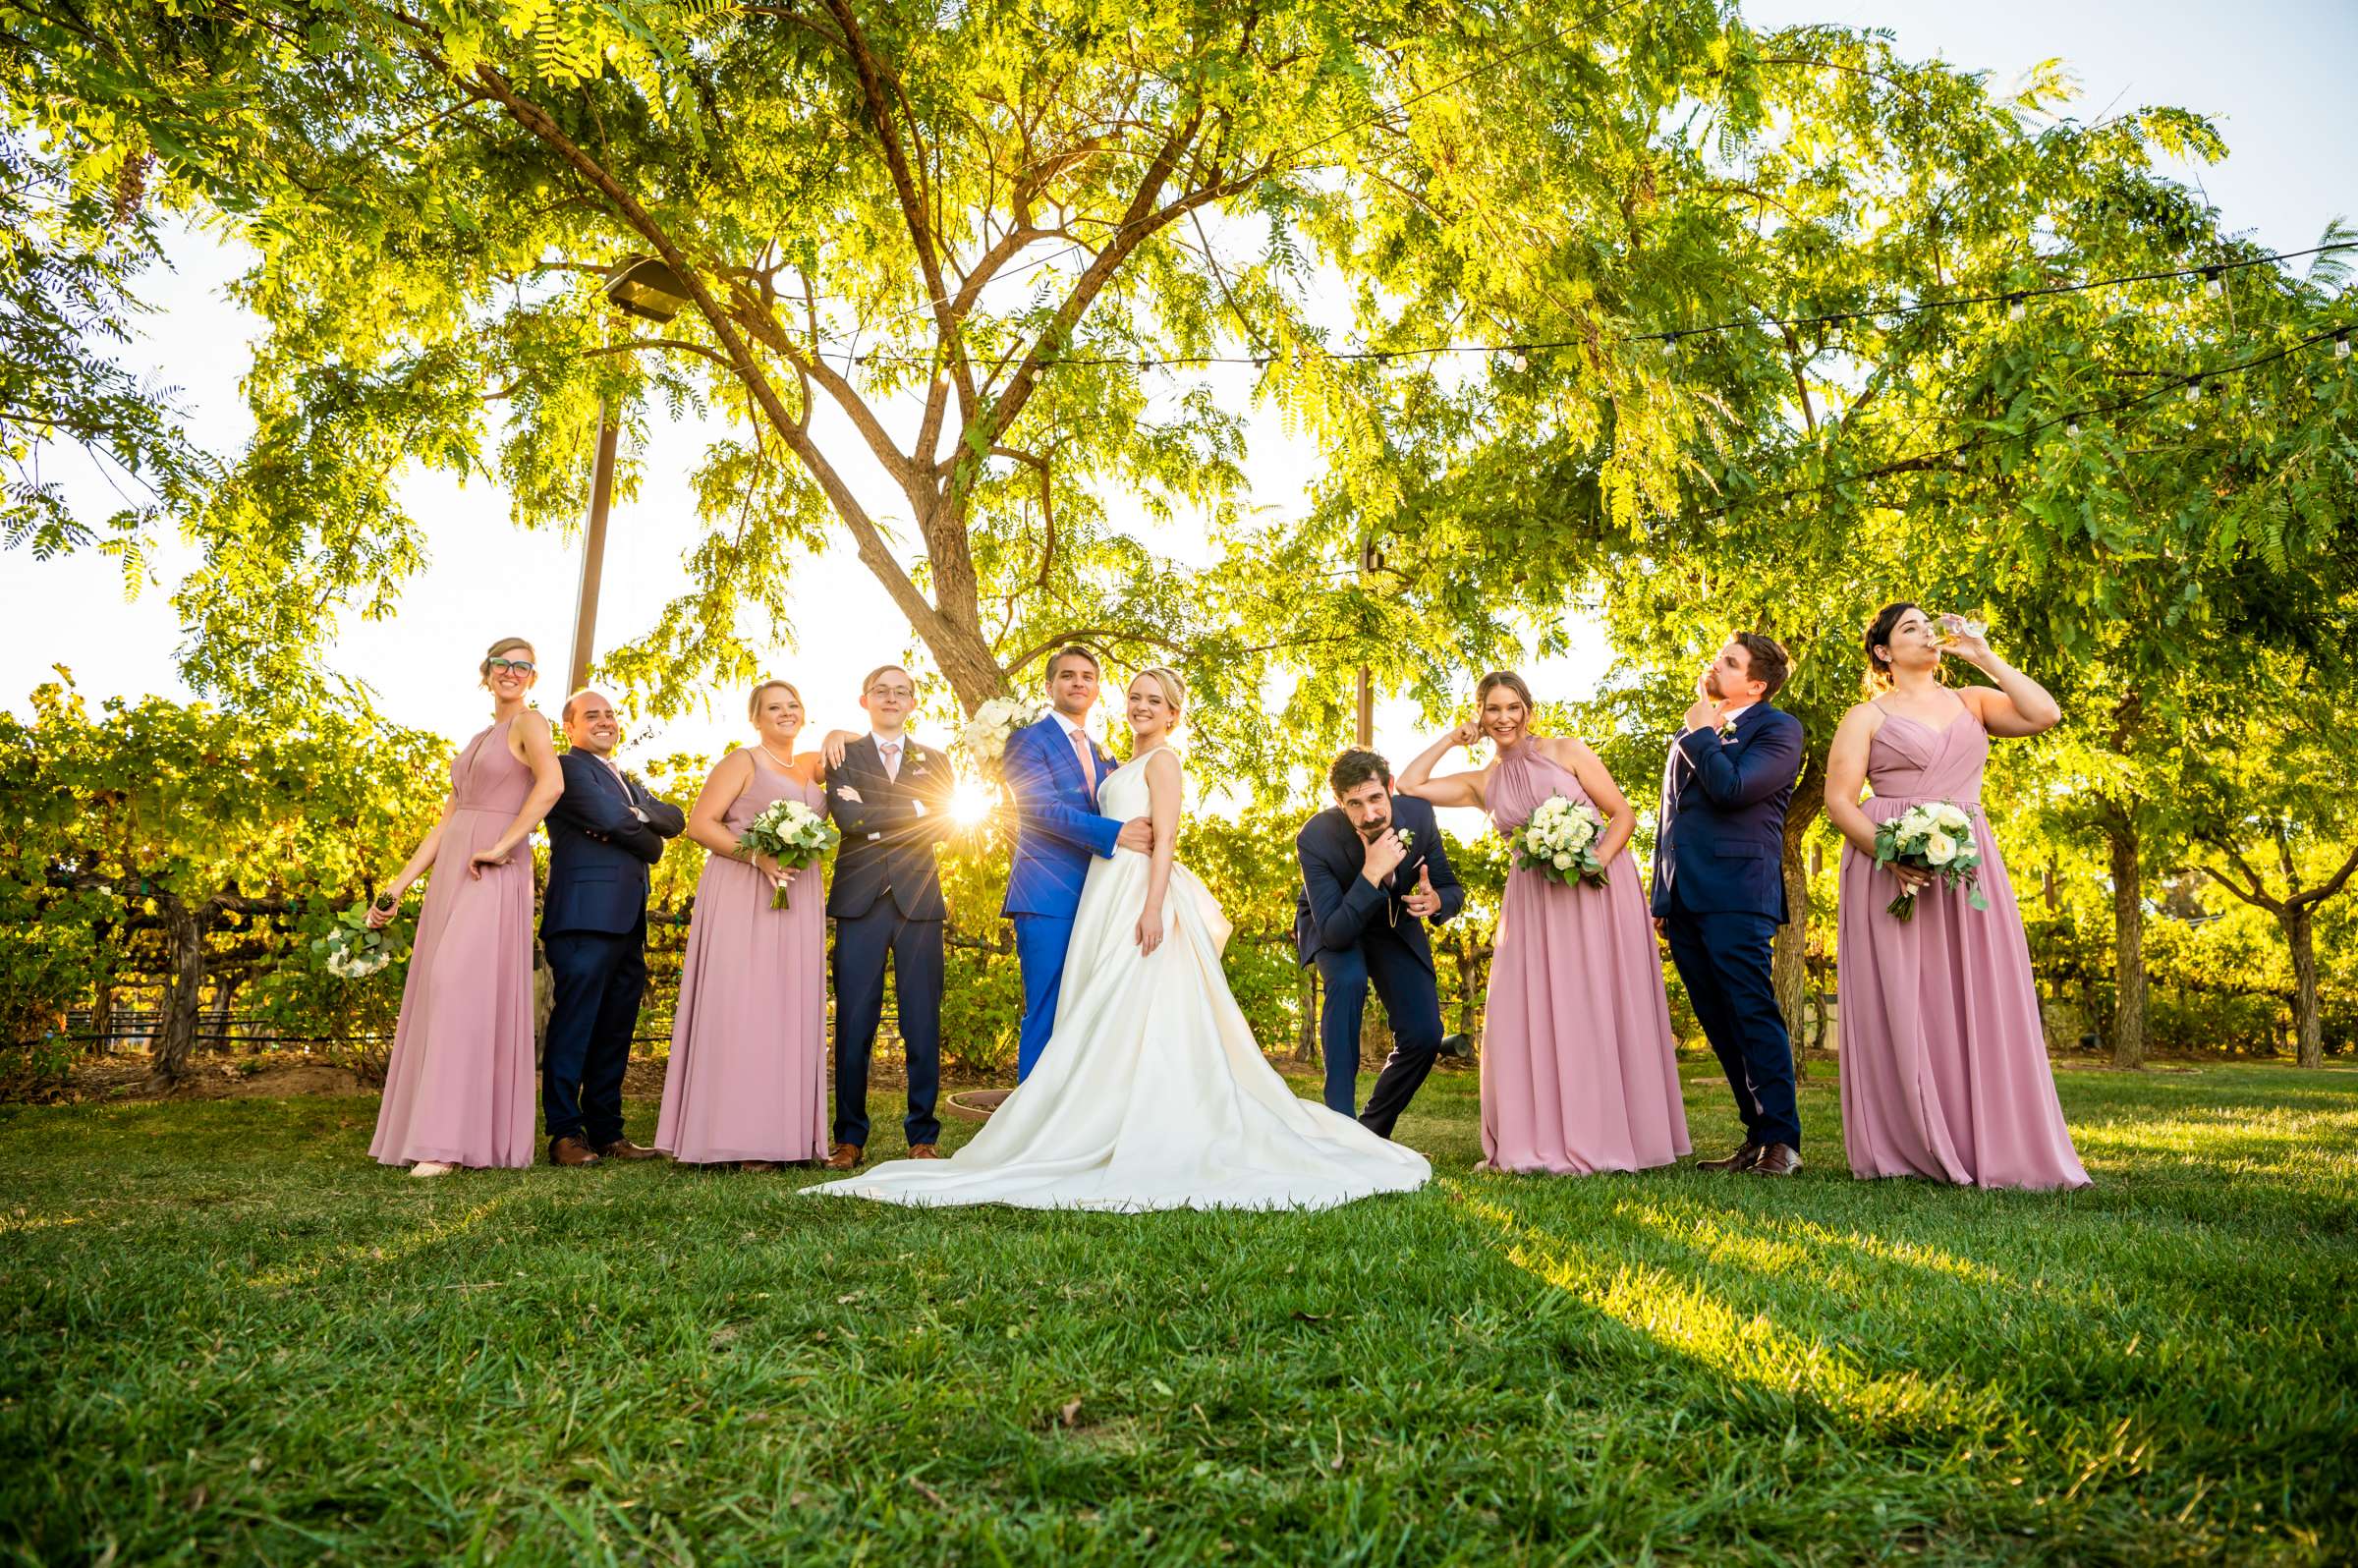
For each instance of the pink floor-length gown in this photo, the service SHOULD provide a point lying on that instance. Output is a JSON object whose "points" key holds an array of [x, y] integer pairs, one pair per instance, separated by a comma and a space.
{"points": [[460, 1084], [1944, 1069], [1579, 1067], [747, 1078]]}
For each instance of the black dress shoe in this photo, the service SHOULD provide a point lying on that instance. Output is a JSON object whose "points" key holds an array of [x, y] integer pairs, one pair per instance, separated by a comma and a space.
{"points": [[1457, 1047], [1778, 1159], [1741, 1160]]}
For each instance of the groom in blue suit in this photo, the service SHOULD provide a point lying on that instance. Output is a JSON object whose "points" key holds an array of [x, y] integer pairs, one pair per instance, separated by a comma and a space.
{"points": [[1053, 770], [1719, 886]]}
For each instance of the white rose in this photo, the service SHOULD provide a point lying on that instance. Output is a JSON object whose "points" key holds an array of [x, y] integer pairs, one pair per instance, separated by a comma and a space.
{"points": [[1952, 818], [1564, 863], [1939, 849]]}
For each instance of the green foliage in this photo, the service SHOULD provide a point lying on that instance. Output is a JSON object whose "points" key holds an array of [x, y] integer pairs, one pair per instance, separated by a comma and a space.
{"points": [[170, 843], [74, 228]]}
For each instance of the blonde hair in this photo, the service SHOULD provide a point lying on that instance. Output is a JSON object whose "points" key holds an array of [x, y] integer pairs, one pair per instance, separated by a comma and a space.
{"points": [[753, 704], [505, 646], [1175, 690], [1498, 678]]}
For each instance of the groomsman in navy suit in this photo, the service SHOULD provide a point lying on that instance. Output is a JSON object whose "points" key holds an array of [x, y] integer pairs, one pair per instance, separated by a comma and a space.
{"points": [[891, 798], [603, 833], [1373, 871], [1053, 770], [1719, 886]]}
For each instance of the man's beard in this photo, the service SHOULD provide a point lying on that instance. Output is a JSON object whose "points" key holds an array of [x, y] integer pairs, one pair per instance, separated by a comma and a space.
{"points": [[1710, 685], [1372, 831]]}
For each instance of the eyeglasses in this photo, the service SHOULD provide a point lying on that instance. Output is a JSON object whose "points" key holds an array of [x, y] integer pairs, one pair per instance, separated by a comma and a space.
{"points": [[520, 666]]}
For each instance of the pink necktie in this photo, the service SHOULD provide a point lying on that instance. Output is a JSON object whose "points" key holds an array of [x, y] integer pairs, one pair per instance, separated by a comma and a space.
{"points": [[1089, 767], [892, 760]]}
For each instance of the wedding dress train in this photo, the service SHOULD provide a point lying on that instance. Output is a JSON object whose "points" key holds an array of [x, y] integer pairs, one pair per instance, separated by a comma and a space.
{"points": [[1151, 1092]]}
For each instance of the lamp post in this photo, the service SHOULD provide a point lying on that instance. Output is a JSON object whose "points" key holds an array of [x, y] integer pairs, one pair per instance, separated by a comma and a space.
{"points": [[647, 288], [1371, 559]]}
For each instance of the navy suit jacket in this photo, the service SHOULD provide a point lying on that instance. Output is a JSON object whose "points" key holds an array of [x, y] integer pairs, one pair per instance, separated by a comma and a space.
{"points": [[887, 849], [1722, 840], [1057, 829], [598, 851], [1335, 906]]}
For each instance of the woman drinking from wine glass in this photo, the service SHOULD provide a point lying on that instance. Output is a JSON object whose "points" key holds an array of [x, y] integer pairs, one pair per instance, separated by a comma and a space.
{"points": [[1944, 1069], [747, 1079], [1579, 1071], [461, 1084]]}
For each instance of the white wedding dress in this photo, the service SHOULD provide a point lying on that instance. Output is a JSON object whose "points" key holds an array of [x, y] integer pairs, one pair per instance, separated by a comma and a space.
{"points": [[1151, 1092]]}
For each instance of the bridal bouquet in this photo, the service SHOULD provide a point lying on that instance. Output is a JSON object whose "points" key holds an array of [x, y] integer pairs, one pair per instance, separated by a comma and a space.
{"points": [[351, 950], [1559, 841], [792, 834], [983, 743], [1936, 836]]}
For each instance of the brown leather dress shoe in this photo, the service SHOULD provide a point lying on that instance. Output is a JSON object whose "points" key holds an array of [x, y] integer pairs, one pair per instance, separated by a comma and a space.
{"points": [[1778, 1159], [924, 1151], [759, 1167], [1741, 1160], [846, 1157], [571, 1151], [624, 1149]]}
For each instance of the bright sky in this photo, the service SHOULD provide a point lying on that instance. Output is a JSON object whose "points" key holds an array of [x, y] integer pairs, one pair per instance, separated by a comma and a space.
{"points": [[2273, 75]]}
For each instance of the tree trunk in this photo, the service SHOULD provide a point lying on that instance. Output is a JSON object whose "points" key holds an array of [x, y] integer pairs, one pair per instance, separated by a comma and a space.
{"points": [[183, 980], [2300, 934], [2128, 945], [1788, 966], [225, 986], [1305, 1038], [1473, 980]]}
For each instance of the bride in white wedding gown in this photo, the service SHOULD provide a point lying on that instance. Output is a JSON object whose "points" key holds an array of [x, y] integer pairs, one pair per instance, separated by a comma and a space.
{"points": [[1151, 1092]]}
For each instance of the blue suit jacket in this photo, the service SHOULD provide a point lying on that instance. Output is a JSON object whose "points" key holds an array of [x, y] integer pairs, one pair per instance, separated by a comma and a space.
{"points": [[1057, 830], [598, 851], [1722, 842], [1335, 906]]}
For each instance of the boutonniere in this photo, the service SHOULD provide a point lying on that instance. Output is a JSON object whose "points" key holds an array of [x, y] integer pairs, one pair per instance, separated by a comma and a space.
{"points": [[1408, 838], [1727, 731]]}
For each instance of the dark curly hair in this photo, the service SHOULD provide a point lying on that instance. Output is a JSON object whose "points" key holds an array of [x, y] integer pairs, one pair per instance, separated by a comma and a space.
{"points": [[1878, 679]]}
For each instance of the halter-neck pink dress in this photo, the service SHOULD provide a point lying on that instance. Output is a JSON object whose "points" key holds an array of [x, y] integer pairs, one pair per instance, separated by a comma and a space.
{"points": [[747, 1076], [460, 1082], [1579, 1067], [1944, 1069]]}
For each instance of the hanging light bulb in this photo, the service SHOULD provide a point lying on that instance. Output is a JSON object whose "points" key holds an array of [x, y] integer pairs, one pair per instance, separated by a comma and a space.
{"points": [[2342, 343], [2194, 390], [2071, 429], [1520, 362], [1669, 344], [2015, 308], [2212, 286]]}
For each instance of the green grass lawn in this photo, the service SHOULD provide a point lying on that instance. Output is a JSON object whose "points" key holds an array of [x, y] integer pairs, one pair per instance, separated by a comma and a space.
{"points": [[228, 1335]]}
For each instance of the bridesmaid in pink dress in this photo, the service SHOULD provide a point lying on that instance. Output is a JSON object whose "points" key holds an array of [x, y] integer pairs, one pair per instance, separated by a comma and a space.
{"points": [[1944, 1069], [461, 1084], [747, 1080], [1579, 1071]]}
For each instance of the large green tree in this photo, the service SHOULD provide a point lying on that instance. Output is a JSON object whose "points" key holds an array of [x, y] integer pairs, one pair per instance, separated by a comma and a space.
{"points": [[918, 247]]}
